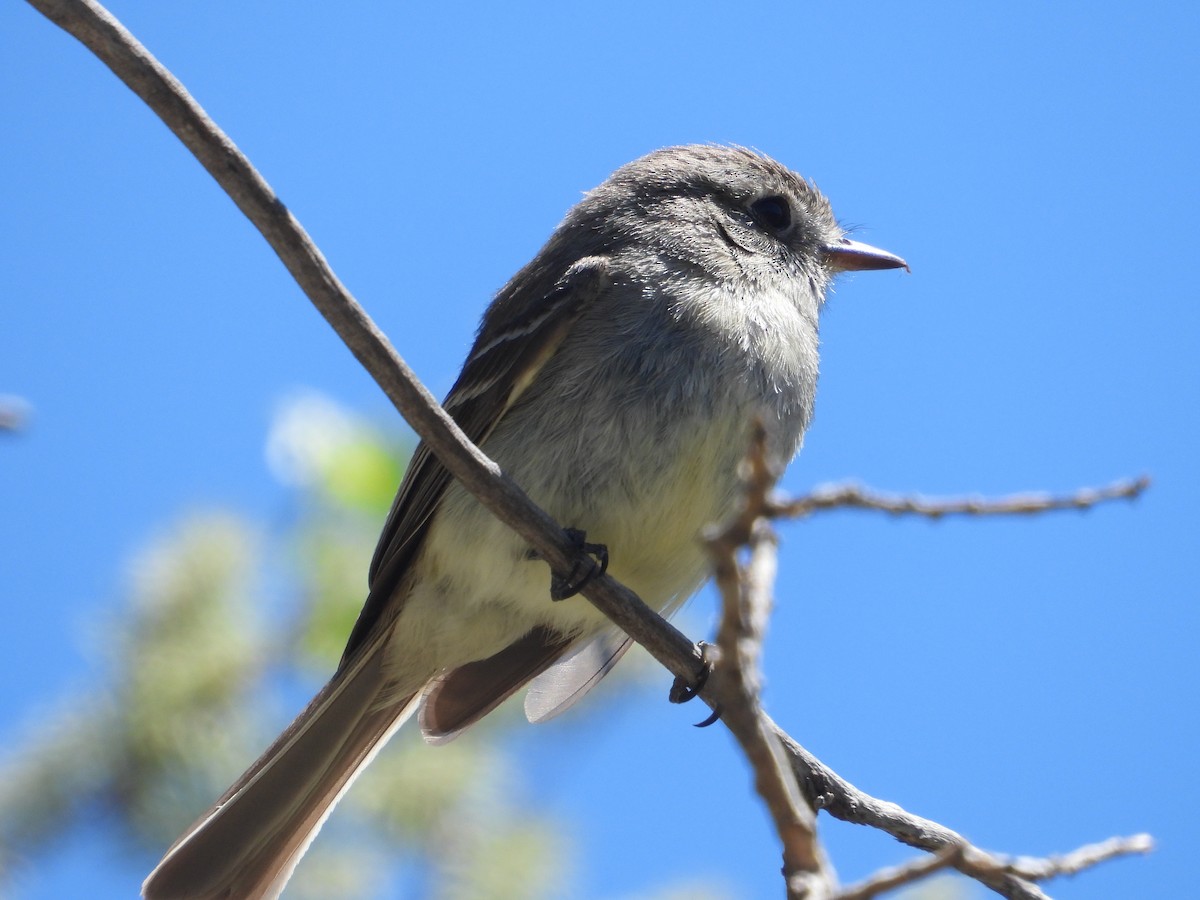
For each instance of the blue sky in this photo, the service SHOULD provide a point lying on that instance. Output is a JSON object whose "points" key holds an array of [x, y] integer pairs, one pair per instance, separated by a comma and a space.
{"points": [[1032, 683]]}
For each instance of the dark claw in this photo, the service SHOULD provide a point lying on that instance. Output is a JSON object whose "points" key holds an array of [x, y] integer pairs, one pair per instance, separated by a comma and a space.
{"points": [[682, 691], [597, 565]]}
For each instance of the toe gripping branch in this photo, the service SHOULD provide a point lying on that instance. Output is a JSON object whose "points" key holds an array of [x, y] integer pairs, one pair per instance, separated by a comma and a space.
{"points": [[682, 691], [591, 562]]}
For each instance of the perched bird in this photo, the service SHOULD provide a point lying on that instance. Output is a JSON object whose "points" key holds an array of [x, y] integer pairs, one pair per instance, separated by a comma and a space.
{"points": [[615, 378]]}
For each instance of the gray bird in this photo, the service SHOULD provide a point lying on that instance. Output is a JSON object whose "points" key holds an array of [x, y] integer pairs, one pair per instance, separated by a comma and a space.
{"points": [[615, 378]]}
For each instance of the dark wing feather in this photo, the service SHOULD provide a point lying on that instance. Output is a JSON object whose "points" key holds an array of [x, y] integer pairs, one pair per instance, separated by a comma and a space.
{"points": [[522, 330], [465, 695]]}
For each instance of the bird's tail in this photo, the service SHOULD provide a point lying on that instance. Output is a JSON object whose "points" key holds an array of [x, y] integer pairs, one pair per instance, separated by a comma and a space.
{"points": [[247, 845]]}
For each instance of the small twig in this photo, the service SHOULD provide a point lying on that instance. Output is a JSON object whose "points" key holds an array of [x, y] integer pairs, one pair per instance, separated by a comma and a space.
{"points": [[853, 496], [736, 677], [898, 876], [1043, 869]]}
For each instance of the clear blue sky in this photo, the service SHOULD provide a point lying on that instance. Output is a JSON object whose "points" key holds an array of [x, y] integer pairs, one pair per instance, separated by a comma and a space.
{"points": [[1032, 683]]}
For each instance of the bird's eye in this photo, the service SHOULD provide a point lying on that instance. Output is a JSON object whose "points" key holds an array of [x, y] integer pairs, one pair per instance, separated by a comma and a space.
{"points": [[773, 212]]}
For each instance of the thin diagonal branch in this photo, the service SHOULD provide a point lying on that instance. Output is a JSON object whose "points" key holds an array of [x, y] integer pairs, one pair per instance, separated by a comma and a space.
{"points": [[98, 30], [898, 876], [828, 791]]}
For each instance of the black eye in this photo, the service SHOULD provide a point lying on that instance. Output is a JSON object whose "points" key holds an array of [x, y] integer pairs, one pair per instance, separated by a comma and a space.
{"points": [[773, 212]]}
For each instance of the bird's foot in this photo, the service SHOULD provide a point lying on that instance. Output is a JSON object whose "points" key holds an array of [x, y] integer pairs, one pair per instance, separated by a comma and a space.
{"points": [[590, 563], [682, 690]]}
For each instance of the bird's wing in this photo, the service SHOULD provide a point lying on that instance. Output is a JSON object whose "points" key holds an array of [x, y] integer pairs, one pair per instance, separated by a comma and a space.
{"points": [[461, 697], [523, 330], [563, 684]]}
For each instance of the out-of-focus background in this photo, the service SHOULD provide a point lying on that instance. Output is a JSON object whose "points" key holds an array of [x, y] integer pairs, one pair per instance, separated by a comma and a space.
{"points": [[201, 468]]}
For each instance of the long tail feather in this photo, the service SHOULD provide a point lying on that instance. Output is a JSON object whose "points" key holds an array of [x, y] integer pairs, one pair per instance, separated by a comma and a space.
{"points": [[247, 845]]}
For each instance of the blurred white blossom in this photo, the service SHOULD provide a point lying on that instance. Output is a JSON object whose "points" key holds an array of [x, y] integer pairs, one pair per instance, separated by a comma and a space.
{"points": [[305, 437]]}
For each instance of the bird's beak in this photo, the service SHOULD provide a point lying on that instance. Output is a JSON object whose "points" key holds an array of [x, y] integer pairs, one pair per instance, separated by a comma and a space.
{"points": [[851, 256]]}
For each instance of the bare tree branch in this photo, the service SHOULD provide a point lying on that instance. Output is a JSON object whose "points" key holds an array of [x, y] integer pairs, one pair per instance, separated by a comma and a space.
{"points": [[828, 791], [854, 496], [736, 677]]}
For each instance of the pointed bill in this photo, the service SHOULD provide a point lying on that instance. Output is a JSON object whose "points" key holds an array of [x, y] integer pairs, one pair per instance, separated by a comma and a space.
{"points": [[852, 256]]}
